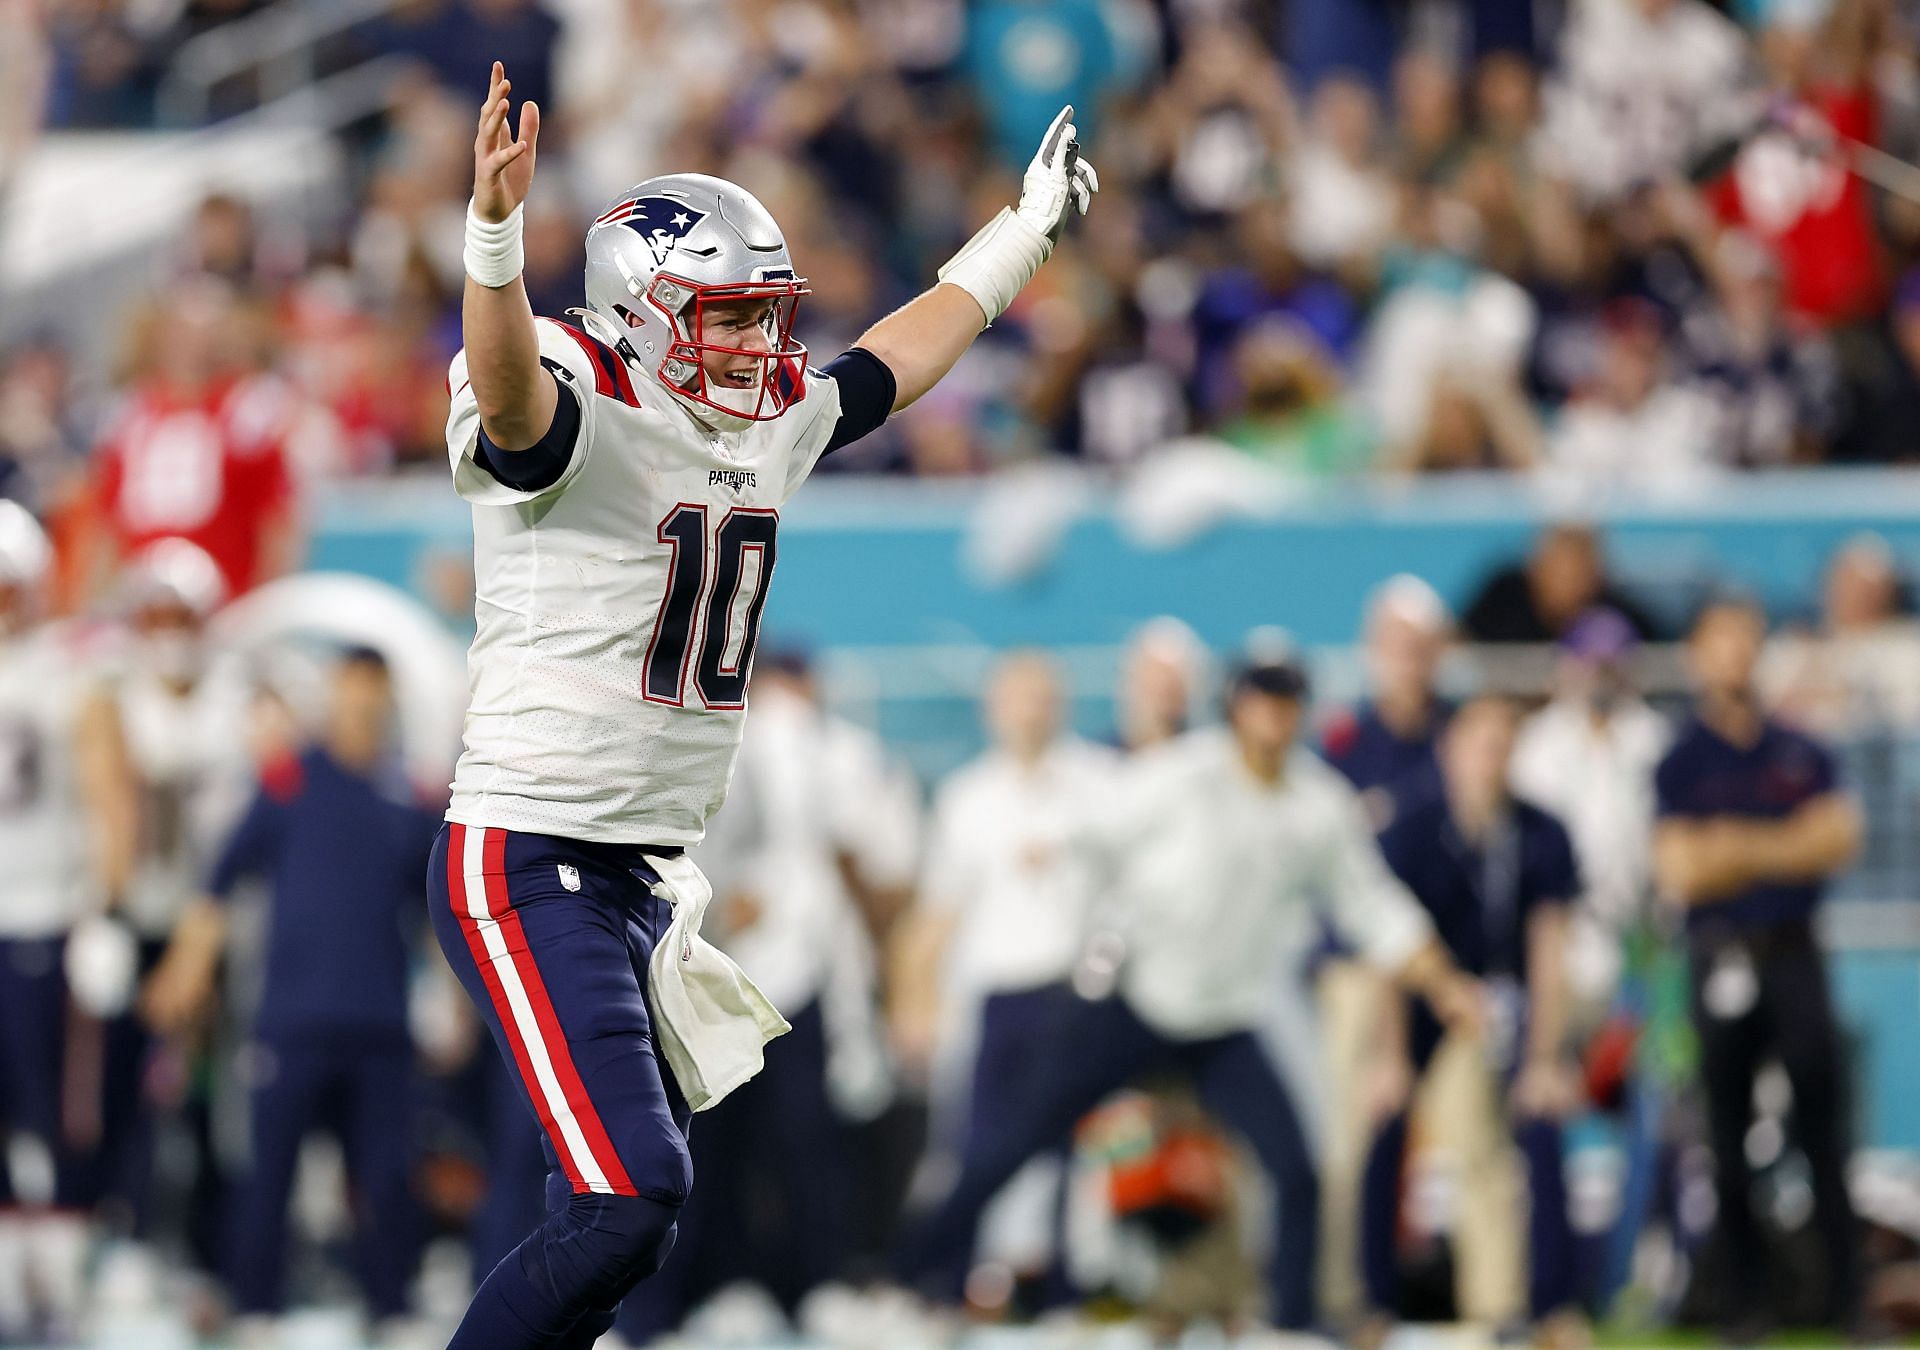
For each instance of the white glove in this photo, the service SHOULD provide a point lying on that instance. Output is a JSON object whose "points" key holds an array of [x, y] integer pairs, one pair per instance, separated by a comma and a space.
{"points": [[1055, 176], [994, 264]]}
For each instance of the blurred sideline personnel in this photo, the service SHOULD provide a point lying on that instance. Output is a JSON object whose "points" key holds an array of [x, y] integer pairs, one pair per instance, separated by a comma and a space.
{"points": [[1003, 916], [1385, 747], [66, 831], [1589, 757], [1385, 744], [336, 832], [1160, 677], [1217, 845], [812, 839], [626, 478], [1496, 875], [181, 706], [1752, 825]]}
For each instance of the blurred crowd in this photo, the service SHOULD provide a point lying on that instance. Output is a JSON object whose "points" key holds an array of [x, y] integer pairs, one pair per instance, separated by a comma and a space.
{"points": [[1492, 995], [1615, 241]]}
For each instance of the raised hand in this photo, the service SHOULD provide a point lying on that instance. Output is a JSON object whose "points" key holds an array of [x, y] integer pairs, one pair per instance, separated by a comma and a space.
{"points": [[1056, 178], [502, 163]]}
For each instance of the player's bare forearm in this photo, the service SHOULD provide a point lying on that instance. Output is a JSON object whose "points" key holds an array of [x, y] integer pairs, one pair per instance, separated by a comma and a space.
{"points": [[920, 341], [515, 395], [108, 788]]}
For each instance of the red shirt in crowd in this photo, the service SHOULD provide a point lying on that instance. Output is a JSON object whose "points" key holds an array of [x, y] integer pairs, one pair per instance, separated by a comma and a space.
{"points": [[1813, 212], [210, 468]]}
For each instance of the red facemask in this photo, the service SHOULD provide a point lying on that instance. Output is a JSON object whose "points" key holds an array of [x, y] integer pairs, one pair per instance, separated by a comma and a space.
{"points": [[782, 374]]}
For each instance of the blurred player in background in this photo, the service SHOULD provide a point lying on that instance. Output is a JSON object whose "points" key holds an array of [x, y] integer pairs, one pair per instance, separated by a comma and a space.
{"points": [[1219, 844], [1496, 875], [1005, 902], [626, 478], [1752, 822], [812, 832], [184, 710], [337, 833], [67, 824]]}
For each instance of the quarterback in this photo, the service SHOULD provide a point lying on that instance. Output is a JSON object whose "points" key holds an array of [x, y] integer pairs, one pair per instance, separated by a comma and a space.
{"points": [[626, 472]]}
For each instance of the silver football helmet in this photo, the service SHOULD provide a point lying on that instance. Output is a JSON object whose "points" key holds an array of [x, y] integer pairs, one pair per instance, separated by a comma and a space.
{"points": [[661, 257]]}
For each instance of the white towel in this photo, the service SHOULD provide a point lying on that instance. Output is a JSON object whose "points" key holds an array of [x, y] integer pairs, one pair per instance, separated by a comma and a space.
{"points": [[712, 1022]]}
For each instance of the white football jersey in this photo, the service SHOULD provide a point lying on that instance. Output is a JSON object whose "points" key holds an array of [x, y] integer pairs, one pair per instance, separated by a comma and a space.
{"points": [[617, 610], [196, 772], [42, 826]]}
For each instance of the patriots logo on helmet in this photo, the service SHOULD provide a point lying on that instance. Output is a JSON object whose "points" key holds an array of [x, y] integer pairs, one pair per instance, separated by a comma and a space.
{"points": [[662, 221]]}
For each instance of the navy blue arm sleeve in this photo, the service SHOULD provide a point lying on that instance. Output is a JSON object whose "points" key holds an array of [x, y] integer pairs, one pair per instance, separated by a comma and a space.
{"points": [[540, 464], [867, 391]]}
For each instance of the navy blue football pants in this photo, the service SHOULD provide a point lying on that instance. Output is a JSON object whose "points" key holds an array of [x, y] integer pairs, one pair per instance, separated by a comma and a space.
{"points": [[1094, 1049], [774, 1202], [33, 1044], [551, 939], [360, 1086]]}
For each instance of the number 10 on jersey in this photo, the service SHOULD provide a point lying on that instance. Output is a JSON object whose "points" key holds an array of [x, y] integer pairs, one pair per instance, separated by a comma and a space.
{"points": [[720, 625]]}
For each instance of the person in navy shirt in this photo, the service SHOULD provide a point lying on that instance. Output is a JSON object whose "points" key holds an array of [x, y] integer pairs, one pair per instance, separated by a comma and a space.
{"points": [[336, 834], [1496, 875], [1384, 745], [1751, 823]]}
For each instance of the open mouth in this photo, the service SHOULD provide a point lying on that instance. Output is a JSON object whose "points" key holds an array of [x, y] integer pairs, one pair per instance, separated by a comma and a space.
{"points": [[741, 379]]}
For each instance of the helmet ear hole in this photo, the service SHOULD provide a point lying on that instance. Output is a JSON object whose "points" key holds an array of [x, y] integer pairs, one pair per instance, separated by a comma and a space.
{"points": [[631, 319]]}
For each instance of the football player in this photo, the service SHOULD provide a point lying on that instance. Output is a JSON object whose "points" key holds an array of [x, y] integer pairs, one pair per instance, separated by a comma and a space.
{"points": [[626, 473]]}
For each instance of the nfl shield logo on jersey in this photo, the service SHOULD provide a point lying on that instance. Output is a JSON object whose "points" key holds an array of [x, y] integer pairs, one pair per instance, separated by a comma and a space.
{"points": [[570, 876], [661, 221]]}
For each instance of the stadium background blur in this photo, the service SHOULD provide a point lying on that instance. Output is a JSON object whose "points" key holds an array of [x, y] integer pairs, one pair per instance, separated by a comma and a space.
{"points": [[1548, 304]]}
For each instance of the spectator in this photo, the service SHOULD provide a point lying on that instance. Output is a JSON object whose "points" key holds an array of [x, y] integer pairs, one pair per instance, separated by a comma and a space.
{"points": [[41, 442], [1539, 598], [1642, 86], [1752, 825], [1496, 875], [344, 846], [1430, 142], [1773, 393], [1218, 125], [1852, 675], [1343, 196], [1881, 404], [1290, 410], [1790, 185], [1634, 426], [1266, 280], [199, 451]]}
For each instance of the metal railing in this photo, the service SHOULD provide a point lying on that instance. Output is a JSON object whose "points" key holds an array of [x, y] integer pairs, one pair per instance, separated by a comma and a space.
{"points": [[279, 46]]}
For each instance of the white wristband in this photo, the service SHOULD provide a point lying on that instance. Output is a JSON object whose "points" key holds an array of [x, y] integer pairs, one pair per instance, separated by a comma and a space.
{"points": [[493, 255], [994, 264]]}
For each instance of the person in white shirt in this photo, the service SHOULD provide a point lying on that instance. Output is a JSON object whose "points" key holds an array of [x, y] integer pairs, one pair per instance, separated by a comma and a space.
{"points": [[626, 478], [1219, 846], [1588, 757], [1002, 918]]}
